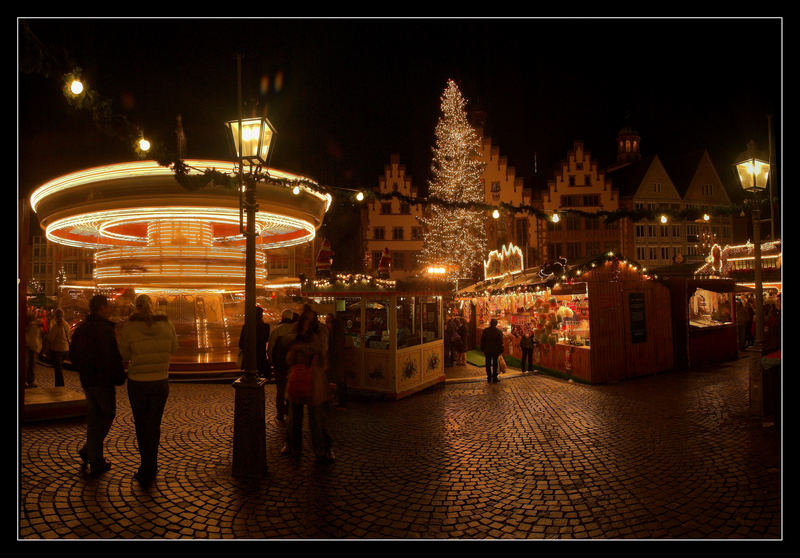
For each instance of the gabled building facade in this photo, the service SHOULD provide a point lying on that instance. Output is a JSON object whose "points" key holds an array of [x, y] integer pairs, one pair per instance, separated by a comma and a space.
{"points": [[502, 185], [580, 184], [393, 224]]}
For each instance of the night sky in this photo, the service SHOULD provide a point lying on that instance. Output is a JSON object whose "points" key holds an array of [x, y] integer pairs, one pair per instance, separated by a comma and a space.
{"points": [[345, 94]]}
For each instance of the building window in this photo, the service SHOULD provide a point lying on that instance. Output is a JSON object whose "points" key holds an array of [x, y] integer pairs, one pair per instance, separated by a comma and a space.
{"points": [[386, 209], [416, 233], [573, 223], [707, 189], [664, 253], [657, 187], [521, 232], [394, 186], [591, 224], [587, 180], [397, 233], [591, 201], [651, 230], [676, 231], [495, 186], [639, 231], [572, 181], [640, 253], [398, 260], [379, 233], [592, 249], [554, 250], [405, 209], [652, 253], [664, 231], [573, 250]]}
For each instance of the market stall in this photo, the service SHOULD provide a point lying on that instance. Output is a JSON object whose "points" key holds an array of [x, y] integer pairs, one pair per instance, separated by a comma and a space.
{"points": [[393, 330], [597, 320], [704, 318]]}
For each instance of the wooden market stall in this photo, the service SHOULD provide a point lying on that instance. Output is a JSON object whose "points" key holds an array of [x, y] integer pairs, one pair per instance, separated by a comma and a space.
{"points": [[393, 331], [704, 328], [597, 320]]}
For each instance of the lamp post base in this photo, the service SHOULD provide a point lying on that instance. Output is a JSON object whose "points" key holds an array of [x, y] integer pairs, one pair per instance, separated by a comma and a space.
{"points": [[249, 428], [756, 383]]}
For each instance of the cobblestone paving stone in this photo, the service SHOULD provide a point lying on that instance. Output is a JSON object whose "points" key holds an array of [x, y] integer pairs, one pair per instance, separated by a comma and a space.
{"points": [[672, 456]]}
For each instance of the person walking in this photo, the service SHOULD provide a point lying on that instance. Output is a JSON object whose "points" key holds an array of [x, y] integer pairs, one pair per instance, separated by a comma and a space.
{"points": [[462, 334], [452, 341], [58, 338], [147, 341], [526, 343], [492, 347], [279, 340], [262, 337], [95, 353], [33, 346], [308, 349]]}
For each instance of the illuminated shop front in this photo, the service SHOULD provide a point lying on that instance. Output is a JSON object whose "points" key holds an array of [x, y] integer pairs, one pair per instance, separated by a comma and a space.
{"points": [[184, 248], [393, 331], [598, 319]]}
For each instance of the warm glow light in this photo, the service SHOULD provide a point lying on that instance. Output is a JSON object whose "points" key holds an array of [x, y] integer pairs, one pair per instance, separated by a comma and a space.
{"points": [[663, 218], [556, 218], [144, 145], [706, 217], [76, 87], [360, 196], [296, 190], [496, 214], [437, 270]]}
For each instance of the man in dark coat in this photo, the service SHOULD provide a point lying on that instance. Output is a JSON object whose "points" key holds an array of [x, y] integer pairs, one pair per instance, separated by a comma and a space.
{"points": [[94, 351], [492, 347], [262, 337]]}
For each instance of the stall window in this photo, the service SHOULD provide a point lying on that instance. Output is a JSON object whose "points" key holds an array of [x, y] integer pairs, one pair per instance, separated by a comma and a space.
{"points": [[409, 322], [431, 319], [707, 308], [348, 311], [376, 334]]}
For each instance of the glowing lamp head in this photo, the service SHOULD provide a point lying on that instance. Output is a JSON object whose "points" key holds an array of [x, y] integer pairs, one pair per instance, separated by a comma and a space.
{"points": [[360, 196], [555, 218], [664, 219], [296, 190], [495, 214], [144, 145], [753, 169], [76, 87], [706, 217], [254, 142]]}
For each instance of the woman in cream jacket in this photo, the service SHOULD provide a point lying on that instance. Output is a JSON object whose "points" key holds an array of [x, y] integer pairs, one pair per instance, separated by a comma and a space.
{"points": [[147, 341]]}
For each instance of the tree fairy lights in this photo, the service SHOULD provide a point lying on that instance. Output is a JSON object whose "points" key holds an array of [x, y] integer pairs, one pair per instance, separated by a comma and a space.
{"points": [[455, 236]]}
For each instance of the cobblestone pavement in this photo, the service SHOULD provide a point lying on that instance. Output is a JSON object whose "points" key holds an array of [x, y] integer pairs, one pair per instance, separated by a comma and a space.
{"points": [[672, 456]]}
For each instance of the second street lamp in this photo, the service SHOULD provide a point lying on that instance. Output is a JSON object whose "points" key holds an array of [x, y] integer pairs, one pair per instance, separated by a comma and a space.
{"points": [[753, 170]]}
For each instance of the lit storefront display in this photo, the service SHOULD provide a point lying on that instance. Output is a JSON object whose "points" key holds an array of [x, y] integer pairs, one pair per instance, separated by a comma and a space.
{"points": [[596, 320], [393, 331]]}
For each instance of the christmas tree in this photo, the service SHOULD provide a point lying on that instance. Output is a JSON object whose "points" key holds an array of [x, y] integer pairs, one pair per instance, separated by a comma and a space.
{"points": [[455, 238]]}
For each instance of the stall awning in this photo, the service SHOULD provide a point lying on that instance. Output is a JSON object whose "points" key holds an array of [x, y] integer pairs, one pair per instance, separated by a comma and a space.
{"points": [[714, 285]]}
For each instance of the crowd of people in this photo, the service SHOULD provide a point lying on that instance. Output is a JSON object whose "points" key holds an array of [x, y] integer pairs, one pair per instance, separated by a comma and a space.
{"points": [[137, 352], [746, 322]]}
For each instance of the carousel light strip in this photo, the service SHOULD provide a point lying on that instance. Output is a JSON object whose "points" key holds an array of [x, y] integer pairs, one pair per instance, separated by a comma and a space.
{"points": [[212, 252], [150, 168], [118, 217]]}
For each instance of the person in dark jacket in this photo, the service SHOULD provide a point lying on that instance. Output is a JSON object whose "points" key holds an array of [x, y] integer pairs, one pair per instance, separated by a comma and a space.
{"points": [[94, 351], [526, 344], [262, 336], [492, 347]]}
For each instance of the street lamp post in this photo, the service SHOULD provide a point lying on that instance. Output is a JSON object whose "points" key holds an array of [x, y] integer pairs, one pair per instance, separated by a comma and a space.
{"points": [[252, 144], [753, 170]]}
